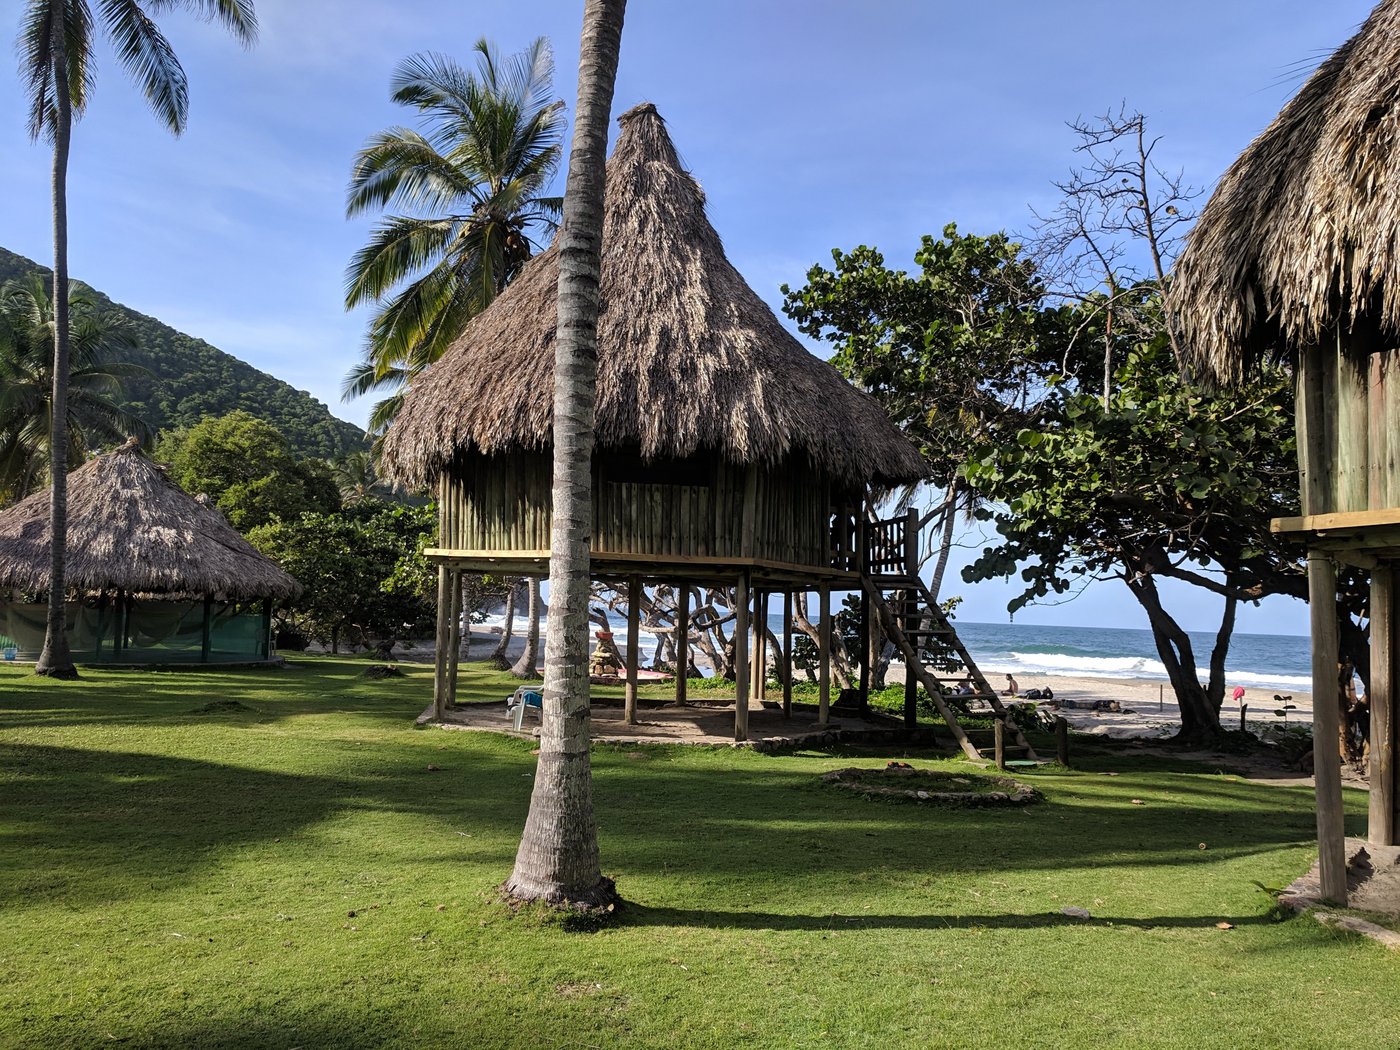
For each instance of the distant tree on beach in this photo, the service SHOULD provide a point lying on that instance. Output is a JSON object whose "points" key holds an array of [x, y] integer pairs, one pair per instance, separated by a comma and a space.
{"points": [[26, 382], [56, 61], [473, 182]]}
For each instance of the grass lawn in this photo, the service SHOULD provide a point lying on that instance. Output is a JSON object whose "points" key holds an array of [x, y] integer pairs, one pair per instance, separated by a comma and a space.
{"points": [[292, 873]]}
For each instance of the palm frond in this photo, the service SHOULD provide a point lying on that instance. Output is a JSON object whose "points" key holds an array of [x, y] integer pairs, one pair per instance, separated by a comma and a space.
{"points": [[147, 55], [401, 166]]}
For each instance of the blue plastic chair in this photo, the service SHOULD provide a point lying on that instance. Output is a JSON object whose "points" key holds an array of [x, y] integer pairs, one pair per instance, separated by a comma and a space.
{"points": [[519, 700]]}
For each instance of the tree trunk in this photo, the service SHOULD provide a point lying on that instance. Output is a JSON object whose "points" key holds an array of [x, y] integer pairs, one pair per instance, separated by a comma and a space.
{"points": [[1200, 721], [558, 857], [945, 539], [498, 655], [525, 666], [55, 660], [840, 659]]}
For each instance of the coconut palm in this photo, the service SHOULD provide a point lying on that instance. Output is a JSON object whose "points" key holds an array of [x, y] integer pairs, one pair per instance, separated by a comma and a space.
{"points": [[473, 183], [56, 50], [356, 478], [558, 856], [26, 382]]}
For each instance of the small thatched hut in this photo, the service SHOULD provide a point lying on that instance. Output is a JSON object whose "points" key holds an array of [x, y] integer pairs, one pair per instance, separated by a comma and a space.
{"points": [[725, 451], [158, 576], [1295, 258]]}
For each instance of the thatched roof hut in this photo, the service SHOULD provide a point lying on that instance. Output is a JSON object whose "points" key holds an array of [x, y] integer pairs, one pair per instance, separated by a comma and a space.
{"points": [[690, 359], [1301, 240], [132, 529]]}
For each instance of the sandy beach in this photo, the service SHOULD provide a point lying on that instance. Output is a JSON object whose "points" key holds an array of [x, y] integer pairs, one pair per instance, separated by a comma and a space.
{"points": [[1148, 706]]}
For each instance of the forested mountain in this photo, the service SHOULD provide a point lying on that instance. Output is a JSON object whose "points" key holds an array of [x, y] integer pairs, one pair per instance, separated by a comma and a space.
{"points": [[190, 379]]}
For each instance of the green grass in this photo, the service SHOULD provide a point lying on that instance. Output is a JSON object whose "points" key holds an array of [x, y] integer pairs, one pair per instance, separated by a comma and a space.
{"points": [[284, 869]]}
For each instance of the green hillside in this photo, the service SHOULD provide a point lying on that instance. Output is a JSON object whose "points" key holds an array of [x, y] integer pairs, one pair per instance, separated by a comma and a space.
{"points": [[190, 379]]}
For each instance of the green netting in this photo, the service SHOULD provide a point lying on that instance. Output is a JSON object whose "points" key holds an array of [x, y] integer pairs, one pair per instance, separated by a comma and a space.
{"points": [[151, 631]]}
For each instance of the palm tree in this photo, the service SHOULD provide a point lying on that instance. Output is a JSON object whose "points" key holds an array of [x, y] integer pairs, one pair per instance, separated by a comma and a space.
{"points": [[26, 382], [56, 45], [474, 179], [558, 857], [356, 478]]}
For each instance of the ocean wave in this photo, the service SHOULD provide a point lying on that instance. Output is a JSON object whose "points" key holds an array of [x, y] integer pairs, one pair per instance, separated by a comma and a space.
{"points": [[1024, 663]]}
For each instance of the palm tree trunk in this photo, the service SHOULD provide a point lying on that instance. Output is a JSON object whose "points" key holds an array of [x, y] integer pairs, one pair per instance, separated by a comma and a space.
{"points": [[558, 857], [498, 654], [55, 660], [525, 666]]}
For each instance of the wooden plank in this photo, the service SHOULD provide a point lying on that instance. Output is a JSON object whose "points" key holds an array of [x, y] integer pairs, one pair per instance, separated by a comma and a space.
{"points": [[741, 659], [634, 623], [824, 656], [1378, 436], [440, 655], [1314, 459], [1327, 763], [748, 513], [1380, 827], [1391, 410], [454, 634], [1337, 520], [1353, 430]]}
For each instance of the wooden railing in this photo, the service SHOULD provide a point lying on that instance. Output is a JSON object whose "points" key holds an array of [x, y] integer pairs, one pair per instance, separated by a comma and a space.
{"points": [[892, 546], [847, 539]]}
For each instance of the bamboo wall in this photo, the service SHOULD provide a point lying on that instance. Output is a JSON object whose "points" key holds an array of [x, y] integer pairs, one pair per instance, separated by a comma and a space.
{"points": [[1348, 429], [669, 509]]}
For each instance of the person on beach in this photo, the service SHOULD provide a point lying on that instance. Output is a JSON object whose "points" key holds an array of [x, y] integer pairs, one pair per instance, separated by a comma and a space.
{"points": [[1011, 687]]}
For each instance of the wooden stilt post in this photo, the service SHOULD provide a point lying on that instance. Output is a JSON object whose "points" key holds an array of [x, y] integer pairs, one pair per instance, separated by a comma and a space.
{"points": [[760, 646], [1327, 762], [741, 659], [1062, 740], [911, 622], [824, 657], [1380, 828], [866, 631], [634, 624], [267, 629], [206, 630], [999, 743], [787, 654], [444, 610], [682, 640], [454, 635]]}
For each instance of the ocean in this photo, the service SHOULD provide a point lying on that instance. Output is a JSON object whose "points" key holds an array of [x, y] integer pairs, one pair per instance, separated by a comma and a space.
{"points": [[1272, 662]]}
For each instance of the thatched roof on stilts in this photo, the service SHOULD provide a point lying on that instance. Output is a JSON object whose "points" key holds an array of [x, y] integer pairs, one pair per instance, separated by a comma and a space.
{"points": [[1302, 236], [131, 528], [690, 359]]}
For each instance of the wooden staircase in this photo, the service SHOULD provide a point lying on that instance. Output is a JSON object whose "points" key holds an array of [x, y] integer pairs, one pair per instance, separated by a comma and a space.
{"points": [[933, 654]]}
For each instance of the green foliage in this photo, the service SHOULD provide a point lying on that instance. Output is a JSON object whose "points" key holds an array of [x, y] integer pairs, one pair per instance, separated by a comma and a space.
{"points": [[248, 469], [472, 183], [26, 381], [955, 352], [365, 578], [1167, 479], [176, 380]]}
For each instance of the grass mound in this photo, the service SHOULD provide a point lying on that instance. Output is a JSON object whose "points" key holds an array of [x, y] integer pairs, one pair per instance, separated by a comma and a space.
{"points": [[223, 707], [901, 782]]}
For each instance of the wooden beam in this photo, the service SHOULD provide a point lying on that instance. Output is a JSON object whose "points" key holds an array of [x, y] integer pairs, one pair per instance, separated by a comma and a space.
{"points": [[911, 680], [634, 624], [1314, 449], [1357, 519], [1327, 762], [1380, 826], [444, 609], [206, 630], [454, 633], [865, 629], [787, 654], [682, 639], [760, 645], [824, 656], [741, 659]]}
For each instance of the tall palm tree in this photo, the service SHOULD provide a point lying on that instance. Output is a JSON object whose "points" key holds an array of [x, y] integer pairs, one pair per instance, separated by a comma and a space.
{"points": [[56, 45], [473, 182], [558, 856], [26, 382]]}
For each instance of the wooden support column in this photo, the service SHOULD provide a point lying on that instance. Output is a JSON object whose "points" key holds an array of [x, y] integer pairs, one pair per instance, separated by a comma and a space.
{"points": [[454, 633], [267, 629], [682, 639], [911, 623], [206, 630], [634, 624], [444, 609], [1327, 762], [741, 658], [824, 656], [867, 636], [760, 646], [1380, 826], [787, 654]]}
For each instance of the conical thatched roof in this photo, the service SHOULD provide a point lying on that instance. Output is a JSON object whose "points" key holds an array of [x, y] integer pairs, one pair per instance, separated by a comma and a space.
{"points": [[690, 359], [131, 528], [1303, 233]]}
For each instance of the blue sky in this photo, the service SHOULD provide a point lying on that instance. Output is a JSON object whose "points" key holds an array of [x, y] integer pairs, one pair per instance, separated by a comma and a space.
{"points": [[811, 126]]}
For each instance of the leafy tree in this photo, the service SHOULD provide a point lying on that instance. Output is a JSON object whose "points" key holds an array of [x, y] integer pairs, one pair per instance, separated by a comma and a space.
{"points": [[1164, 481], [365, 578], [473, 181], [248, 469], [356, 478], [26, 382], [56, 51], [557, 861], [957, 352]]}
